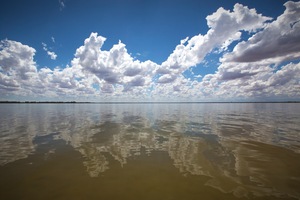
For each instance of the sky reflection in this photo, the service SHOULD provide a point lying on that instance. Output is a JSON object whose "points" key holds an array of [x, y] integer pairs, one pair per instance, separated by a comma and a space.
{"points": [[243, 149]]}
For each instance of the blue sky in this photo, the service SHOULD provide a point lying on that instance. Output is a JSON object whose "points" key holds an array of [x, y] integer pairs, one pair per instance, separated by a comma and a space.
{"points": [[134, 50]]}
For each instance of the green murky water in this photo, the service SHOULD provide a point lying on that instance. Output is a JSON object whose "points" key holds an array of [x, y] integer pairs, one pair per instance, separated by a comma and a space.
{"points": [[150, 151]]}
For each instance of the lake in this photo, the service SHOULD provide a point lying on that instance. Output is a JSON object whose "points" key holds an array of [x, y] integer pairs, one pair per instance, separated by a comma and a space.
{"points": [[150, 151]]}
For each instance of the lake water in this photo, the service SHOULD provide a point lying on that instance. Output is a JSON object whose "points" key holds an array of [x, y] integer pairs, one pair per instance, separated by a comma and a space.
{"points": [[150, 151]]}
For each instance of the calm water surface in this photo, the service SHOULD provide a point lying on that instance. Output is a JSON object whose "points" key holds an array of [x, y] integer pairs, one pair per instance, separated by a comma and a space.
{"points": [[150, 151]]}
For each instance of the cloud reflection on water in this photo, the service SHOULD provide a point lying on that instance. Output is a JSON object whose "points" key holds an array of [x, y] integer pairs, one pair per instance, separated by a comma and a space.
{"points": [[243, 148]]}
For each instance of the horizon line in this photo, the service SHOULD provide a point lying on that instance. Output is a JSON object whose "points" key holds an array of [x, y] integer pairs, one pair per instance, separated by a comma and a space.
{"points": [[140, 102]]}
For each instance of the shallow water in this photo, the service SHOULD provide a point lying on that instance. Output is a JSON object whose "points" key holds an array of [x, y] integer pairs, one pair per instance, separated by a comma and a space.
{"points": [[150, 151]]}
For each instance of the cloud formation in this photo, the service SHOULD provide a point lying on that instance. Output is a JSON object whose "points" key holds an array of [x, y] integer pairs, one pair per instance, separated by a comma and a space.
{"points": [[279, 40], [225, 27], [251, 70], [52, 54], [16, 64], [113, 67], [62, 4]]}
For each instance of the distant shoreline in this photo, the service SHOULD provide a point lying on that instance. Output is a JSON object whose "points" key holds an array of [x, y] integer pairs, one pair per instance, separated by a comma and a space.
{"points": [[155, 102]]}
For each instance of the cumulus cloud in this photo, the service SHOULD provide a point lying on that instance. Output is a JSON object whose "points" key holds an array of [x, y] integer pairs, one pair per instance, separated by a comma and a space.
{"points": [[113, 71], [249, 80], [18, 71], [19, 75], [16, 59], [232, 71], [52, 54], [288, 73], [8, 84], [167, 78], [246, 72], [112, 67], [279, 41], [225, 27]]}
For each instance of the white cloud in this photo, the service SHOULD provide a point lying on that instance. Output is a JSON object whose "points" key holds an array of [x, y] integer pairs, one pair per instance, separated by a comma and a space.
{"points": [[279, 41], [249, 80], [225, 27], [232, 71], [114, 72], [16, 59], [52, 54], [115, 75], [167, 78], [8, 84], [19, 75], [180, 89], [288, 74], [112, 67], [62, 4], [18, 72], [53, 39]]}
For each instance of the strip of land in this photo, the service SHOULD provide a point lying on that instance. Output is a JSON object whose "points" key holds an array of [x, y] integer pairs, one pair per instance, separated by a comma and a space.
{"points": [[150, 102]]}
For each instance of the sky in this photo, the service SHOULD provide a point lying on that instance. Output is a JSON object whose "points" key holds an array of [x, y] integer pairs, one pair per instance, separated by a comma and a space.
{"points": [[149, 50]]}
